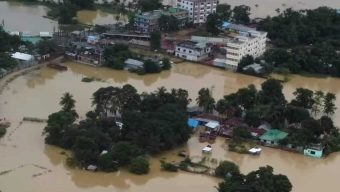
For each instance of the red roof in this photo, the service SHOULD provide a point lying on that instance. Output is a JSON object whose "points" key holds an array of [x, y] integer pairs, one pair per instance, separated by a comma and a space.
{"points": [[257, 131]]}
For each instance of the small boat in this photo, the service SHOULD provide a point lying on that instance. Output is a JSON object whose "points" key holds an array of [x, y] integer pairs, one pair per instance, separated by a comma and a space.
{"points": [[57, 66]]}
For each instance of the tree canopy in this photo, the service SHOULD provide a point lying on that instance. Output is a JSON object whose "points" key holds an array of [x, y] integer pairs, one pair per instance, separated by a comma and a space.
{"points": [[150, 123]]}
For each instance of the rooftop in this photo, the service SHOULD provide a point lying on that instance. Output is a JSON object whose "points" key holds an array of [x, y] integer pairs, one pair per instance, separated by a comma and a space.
{"points": [[22, 56], [134, 62], [150, 15], [192, 45], [274, 135]]}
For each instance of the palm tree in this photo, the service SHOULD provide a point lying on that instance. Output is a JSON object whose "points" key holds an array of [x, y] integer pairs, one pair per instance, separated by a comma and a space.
{"points": [[205, 100], [67, 102]]}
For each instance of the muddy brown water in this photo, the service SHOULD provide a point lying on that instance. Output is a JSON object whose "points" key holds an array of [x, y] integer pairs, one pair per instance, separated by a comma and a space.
{"points": [[36, 167], [30, 18]]}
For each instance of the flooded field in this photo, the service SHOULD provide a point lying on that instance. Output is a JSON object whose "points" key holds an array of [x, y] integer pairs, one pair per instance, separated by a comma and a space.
{"points": [[41, 168]]}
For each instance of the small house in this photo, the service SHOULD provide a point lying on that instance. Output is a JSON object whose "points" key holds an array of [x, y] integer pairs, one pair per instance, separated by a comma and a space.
{"points": [[314, 151], [272, 137], [257, 132], [133, 64], [23, 58], [212, 126]]}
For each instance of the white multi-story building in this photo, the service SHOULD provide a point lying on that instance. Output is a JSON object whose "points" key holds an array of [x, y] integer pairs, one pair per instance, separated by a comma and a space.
{"points": [[247, 42], [198, 9], [192, 51]]}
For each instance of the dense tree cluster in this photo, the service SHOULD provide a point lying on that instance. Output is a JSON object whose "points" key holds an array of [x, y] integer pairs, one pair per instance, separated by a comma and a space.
{"points": [[151, 123], [168, 23], [8, 44], [305, 118], [306, 40], [116, 55], [260, 180], [239, 15], [149, 5]]}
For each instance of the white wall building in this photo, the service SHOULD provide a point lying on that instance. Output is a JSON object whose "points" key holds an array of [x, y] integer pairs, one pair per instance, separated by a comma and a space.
{"points": [[251, 43], [198, 9], [192, 51]]}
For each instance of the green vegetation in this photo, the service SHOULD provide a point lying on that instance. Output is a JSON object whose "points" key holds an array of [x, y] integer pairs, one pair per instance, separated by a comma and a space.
{"points": [[2, 131], [205, 100], [169, 166], [151, 123], [116, 55], [155, 40], [46, 47], [306, 41], [226, 168], [306, 118], [168, 23], [8, 43], [149, 5], [91, 79], [139, 166], [260, 180]]}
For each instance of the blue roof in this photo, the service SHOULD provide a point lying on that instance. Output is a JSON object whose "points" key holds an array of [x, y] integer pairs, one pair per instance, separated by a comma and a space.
{"points": [[225, 24], [193, 123]]}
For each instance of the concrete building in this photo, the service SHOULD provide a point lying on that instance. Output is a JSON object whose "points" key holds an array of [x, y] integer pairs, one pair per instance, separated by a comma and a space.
{"points": [[246, 41], [198, 9], [192, 51], [148, 21]]}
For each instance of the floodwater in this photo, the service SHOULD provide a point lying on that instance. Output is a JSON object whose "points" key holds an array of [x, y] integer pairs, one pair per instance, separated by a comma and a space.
{"points": [[30, 18], [262, 8], [39, 168]]}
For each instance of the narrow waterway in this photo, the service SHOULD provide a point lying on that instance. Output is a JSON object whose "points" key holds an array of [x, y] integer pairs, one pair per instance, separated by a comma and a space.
{"points": [[40, 168]]}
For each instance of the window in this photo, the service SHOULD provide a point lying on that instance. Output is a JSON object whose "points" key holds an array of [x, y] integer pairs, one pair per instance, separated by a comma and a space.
{"points": [[312, 152], [190, 51], [178, 49], [272, 142], [184, 50]]}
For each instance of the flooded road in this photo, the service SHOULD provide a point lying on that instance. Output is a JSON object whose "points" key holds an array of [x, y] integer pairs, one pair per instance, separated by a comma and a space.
{"points": [[41, 168]]}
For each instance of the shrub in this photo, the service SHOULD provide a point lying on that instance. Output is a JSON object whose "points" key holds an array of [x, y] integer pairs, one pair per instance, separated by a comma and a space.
{"points": [[2, 131], [139, 165], [169, 166], [225, 168]]}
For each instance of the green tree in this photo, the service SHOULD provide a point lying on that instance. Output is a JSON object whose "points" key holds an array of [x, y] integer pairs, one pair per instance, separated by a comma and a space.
{"points": [[241, 14], [213, 23], [155, 40], [107, 163], [139, 166], [296, 114], [2, 131], [271, 93], [303, 98], [224, 12], [123, 152], [313, 126], [7, 62], [149, 5], [245, 61], [205, 100], [166, 64], [116, 55], [151, 67], [46, 47], [242, 132], [328, 104], [83, 4], [318, 105], [168, 23], [260, 180], [226, 169]]}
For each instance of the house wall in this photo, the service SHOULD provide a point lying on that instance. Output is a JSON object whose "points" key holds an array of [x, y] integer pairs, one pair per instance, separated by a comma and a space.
{"points": [[270, 143], [191, 54], [198, 9], [312, 153]]}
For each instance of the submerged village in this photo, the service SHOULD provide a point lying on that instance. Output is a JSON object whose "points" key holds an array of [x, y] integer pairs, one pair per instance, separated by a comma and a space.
{"points": [[95, 126]]}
